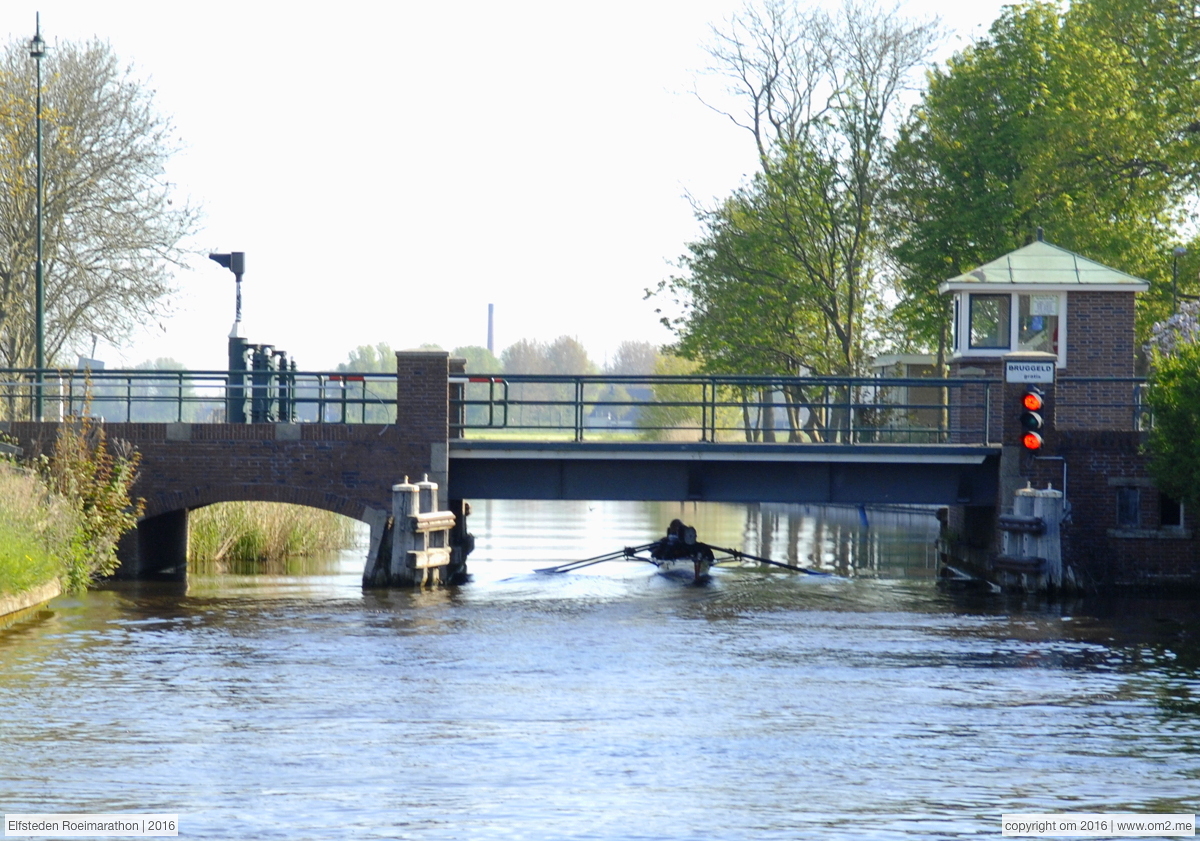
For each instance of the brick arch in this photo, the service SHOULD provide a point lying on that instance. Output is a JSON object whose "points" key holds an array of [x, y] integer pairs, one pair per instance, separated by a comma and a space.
{"points": [[202, 496]]}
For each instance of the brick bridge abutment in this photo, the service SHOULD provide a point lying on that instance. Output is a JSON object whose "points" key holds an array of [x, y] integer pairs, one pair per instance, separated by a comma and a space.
{"points": [[348, 469]]}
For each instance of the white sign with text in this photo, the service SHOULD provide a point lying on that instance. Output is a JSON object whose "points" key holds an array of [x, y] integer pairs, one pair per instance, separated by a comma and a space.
{"points": [[1029, 372]]}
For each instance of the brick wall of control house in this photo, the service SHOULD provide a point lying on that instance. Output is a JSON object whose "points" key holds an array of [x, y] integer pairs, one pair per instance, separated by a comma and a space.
{"points": [[1121, 531], [1100, 340]]}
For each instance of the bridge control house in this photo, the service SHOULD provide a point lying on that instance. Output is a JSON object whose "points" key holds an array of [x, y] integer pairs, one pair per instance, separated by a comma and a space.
{"points": [[1047, 322]]}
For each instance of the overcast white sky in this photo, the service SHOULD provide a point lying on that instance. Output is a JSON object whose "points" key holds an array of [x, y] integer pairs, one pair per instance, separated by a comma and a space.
{"points": [[390, 169]]}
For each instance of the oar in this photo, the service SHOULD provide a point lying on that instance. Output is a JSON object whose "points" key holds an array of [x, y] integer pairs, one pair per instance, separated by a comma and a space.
{"points": [[599, 559], [737, 555]]}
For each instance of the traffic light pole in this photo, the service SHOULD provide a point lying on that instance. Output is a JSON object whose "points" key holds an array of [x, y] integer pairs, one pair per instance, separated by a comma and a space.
{"points": [[1029, 380]]}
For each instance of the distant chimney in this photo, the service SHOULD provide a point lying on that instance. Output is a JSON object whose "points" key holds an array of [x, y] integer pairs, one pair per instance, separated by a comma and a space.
{"points": [[491, 315]]}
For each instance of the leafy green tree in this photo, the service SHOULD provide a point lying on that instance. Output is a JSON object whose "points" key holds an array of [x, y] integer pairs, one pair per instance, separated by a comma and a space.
{"points": [[1079, 121], [378, 357], [167, 399], [112, 226], [546, 404], [674, 410], [378, 396], [482, 410], [524, 357], [633, 359], [1174, 396], [480, 360], [564, 356], [742, 312]]}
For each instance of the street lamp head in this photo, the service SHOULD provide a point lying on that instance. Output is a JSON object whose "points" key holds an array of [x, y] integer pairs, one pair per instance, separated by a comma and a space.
{"points": [[1179, 251], [235, 261], [37, 47]]}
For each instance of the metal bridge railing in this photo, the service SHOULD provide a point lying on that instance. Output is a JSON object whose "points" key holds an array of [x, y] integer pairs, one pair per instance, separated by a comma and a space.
{"points": [[844, 410], [724, 408], [163, 396]]}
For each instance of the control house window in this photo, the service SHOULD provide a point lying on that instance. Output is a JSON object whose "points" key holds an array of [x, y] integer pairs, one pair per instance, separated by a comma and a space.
{"points": [[1129, 504], [1037, 323], [1170, 512], [991, 324], [990, 321]]}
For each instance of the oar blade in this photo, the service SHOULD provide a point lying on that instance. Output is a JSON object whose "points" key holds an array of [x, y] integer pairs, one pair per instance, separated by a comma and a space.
{"points": [[738, 555], [570, 566]]}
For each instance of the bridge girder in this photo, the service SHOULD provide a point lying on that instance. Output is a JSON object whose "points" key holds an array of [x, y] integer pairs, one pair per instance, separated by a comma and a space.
{"points": [[876, 474]]}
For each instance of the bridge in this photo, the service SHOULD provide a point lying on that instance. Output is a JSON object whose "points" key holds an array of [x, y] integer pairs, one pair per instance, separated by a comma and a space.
{"points": [[339, 441]]}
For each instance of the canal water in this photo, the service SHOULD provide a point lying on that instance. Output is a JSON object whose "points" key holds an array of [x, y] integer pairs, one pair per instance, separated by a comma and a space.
{"points": [[609, 703]]}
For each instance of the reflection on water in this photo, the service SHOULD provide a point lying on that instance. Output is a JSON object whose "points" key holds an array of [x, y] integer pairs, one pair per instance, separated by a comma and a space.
{"points": [[611, 703], [848, 540]]}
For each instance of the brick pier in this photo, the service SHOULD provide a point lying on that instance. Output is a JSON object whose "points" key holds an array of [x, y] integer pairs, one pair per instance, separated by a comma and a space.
{"points": [[348, 469]]}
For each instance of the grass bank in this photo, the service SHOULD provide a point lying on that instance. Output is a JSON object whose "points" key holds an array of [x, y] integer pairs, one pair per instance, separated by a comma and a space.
{"points": [[62, 512], [38, 531], [265, 532]]}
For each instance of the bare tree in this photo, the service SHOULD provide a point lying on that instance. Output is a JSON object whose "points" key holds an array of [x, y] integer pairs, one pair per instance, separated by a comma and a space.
{"points": [[111, 228], [818, 93]]}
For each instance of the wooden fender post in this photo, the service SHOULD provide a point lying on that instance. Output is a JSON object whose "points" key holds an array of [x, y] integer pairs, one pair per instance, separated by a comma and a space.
{"points": [[405, 506]]}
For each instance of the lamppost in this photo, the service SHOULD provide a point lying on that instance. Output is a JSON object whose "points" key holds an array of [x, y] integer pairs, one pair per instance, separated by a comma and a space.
{"points": [[37, 49], [1178, 252], [235, 403]]}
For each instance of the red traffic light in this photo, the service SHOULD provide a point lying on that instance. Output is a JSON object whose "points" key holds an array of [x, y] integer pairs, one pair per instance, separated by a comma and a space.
{"points": [[1033, 403]]}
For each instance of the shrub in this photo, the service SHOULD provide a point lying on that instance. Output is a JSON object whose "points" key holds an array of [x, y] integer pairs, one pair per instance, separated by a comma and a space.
{"points": [[96, 484], [1174, 395]]}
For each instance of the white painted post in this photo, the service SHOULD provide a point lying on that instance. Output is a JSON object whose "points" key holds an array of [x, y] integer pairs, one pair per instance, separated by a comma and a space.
{"points": [[1048, 504], [405, 506], [429, 495], [1023, 506]]}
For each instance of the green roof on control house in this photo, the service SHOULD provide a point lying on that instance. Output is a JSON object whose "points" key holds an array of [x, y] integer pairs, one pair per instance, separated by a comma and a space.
{"points": [[1043, 266]]}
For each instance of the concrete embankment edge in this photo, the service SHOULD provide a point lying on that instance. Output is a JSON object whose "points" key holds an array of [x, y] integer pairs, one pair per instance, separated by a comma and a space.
{"points": [[12, 608]]}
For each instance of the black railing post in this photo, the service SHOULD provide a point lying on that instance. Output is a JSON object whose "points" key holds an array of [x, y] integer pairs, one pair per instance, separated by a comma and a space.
{"points": [[235, 392], [987, 413], [578, 408], [260, 384]]}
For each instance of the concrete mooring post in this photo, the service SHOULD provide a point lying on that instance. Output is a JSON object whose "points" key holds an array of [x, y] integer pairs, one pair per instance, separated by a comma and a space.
{"points": [[1031, 545], [415, 547]]}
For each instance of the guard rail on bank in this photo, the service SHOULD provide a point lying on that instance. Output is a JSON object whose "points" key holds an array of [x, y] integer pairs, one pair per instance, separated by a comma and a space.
{"points": [[848, 410]]}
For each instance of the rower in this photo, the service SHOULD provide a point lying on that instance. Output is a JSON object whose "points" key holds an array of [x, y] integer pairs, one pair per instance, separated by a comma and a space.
{"points": [[680, 542], [671, 547]]}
